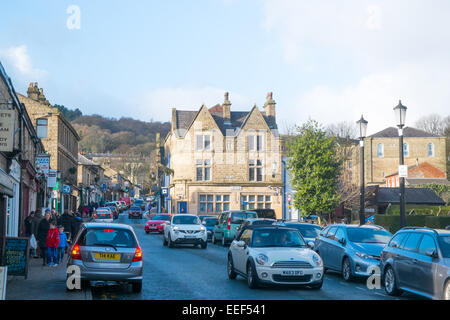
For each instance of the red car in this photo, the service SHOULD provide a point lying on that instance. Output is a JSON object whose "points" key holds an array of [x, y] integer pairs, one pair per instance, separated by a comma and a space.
{"points": [[156, 223]]}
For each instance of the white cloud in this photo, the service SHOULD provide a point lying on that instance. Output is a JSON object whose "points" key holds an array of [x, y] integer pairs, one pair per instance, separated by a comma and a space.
{"points": [[157, 104], [18, 58]]}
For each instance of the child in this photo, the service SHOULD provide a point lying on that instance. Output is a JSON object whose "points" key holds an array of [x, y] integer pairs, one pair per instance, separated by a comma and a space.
{"points": [[51, 244], [62, 244]]}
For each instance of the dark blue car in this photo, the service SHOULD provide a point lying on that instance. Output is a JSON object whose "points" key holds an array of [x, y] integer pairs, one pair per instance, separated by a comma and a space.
{"points": [[209, 223]]}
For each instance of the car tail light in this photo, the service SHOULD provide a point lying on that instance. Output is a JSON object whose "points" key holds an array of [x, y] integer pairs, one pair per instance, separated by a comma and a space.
{"points": [[137, 255], [108, 230], [229, 223], [76, 254], [95, 216]]}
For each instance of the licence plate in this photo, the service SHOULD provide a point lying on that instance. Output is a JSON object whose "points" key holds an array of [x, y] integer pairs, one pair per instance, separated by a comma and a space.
{"points": [[292, 273], [189, 237], [107, 256], [152, 227]]}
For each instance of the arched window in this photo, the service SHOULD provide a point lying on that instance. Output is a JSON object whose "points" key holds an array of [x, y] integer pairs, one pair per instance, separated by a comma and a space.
{"points": [[380, 150], [405, 150], [42, 127], [431, 150]]}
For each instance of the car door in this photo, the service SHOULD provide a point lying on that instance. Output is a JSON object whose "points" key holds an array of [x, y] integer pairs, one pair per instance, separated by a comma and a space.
{"points": [[242, 252], [425, 266], [325, 250], [404, 264], [336, 250]]}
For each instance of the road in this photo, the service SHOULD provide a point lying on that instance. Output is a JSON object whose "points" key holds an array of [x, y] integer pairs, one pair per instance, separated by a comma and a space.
{"points": [[199, 274]]}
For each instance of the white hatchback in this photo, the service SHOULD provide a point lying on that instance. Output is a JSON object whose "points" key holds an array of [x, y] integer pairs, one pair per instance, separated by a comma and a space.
{"points": [[274, 255], [184, 229]]}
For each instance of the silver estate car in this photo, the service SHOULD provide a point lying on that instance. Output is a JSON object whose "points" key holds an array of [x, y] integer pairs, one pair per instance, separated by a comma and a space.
{"points": [[107, 252]]}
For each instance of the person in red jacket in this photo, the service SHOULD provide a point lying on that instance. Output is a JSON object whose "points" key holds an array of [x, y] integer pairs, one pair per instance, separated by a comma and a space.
{"points": [[52, 244]]}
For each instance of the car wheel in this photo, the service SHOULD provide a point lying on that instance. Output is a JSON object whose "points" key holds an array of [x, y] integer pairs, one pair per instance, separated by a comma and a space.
{"points": [[390, 282], [347, 270], [169, 242], [230, 269], [164, 241], [317, 286], [137, 287], [204, 244], [224, 243], [446, 294], [252, 280]]}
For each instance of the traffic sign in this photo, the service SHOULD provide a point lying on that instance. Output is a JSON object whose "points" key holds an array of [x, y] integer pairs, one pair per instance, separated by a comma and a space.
{"points": [[66, 189], [403, 171]]}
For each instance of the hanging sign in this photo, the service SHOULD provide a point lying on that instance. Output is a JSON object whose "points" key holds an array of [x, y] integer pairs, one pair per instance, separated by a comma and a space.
{"points": [[7, 119]]}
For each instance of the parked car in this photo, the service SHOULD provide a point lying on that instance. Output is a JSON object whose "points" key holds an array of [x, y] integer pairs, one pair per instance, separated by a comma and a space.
{"points": [[253, 222], [120, 206], [274, 255], [351, 249], [135, 211], [113, 204], [184, 229], [310, 232], [201, 217], [114, 211], [209, 223], [107, 252], [103, 215], [228, 223], [417, 260], [266, 213], [156, 223], [124, 205]]}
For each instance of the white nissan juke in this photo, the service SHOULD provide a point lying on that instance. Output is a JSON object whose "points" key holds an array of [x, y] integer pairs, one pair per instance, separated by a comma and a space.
{"points": [[274, 255]]}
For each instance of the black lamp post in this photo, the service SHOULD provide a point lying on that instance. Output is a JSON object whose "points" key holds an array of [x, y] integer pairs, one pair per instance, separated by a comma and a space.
{"points": [[362, 134], [400, 115]]}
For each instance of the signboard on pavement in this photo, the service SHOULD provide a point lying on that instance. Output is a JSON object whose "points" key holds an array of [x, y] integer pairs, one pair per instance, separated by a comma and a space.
{"points": [[15, 255], [7, 119], [403, 171]]}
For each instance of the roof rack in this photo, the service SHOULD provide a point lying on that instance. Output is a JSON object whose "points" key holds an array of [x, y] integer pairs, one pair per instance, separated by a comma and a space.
{"points": [[415, 228]]}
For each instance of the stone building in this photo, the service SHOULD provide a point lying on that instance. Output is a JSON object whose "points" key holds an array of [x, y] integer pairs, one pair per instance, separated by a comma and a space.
{"points": [[90, 181], [223, 160], [60, 140], [381, 155]]}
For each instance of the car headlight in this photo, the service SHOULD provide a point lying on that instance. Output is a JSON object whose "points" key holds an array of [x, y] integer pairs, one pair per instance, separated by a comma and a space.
{"points": [[317, 260], [202, 228], [176, 229], [262, 259], [362, 255]]}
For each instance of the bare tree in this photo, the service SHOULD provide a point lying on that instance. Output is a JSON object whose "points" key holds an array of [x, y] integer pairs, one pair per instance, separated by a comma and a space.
{"points": [[343, 130], [432, 123]]}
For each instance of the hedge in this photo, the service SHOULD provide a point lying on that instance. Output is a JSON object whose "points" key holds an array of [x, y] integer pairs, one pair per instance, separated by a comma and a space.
{"points": [[392, 223]]}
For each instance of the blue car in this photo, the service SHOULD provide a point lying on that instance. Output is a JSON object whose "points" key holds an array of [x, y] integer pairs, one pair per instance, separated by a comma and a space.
{"points": [[352, 249], [309, 231], [209, 223]]}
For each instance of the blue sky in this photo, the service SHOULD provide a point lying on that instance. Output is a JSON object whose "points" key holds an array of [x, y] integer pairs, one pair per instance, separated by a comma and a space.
{"points": [[328, 60]]}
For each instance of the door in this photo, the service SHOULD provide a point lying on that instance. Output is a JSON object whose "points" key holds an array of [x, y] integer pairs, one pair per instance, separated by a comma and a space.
{"points": [[424, 265], [182, 207], [242, 252], [325, 247], [336, 249], [405, 258]]}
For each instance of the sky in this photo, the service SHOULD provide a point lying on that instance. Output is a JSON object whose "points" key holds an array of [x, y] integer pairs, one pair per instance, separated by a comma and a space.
{"points": [[330, 61]]}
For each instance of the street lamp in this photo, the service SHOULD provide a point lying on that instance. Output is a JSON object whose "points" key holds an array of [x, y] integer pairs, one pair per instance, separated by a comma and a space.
{"points": [[362, 134], [400, 115]]}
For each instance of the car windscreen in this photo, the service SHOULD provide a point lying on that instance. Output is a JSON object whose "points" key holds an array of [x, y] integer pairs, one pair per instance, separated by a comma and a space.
{"points": [[163, 217], [108, 237], [277, 238], [185, 220], [366, 235], [112, 208], [135, 208], [306, 231], [239, 217], [211, 221], [444, 243]]}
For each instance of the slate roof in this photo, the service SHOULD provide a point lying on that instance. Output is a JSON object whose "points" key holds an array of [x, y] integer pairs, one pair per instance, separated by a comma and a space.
{"points": [[412, 196], [184, 119], [408, 132], [85, 161]]}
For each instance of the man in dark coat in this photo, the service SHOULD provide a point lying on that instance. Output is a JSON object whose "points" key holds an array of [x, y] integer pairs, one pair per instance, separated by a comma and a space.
{"points": [[42, 231], [68, 222], [28, 221]]}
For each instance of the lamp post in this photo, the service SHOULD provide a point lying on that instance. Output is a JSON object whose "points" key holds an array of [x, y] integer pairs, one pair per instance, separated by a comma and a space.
{"points": [[400, 115], [362, 134]]}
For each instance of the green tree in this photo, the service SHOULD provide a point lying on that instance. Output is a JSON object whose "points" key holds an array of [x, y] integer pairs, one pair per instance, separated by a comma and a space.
{"points": [[314, 169]]}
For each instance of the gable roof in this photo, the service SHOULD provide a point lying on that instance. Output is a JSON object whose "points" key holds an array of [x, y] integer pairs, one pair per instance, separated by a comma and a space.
{"points": [[408, 132], [85, 161], [184, 119], [412, 196]]}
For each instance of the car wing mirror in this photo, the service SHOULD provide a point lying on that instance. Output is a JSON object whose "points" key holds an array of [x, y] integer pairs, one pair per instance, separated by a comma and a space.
{"points": [[431, 253], [342, 241], [204, 223], [168, 222], [240, 244], [311, 244]]}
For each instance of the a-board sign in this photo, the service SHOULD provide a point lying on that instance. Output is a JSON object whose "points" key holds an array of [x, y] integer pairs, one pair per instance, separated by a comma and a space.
{"points": [[15, 255]]}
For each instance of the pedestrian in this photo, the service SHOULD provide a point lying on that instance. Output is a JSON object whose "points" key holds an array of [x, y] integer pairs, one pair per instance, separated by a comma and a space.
{"points": [[44, 226], [28, 221], [76, 223], [52, 243], [34, 229], [62, 244], [67, 221]]}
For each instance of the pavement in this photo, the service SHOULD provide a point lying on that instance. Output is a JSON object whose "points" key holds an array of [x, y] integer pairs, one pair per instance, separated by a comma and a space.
{"points": [[43, 283]]}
